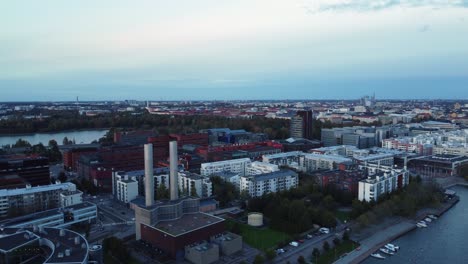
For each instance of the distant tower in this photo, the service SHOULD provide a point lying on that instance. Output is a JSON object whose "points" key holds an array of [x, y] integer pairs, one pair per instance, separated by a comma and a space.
{"points": [[301, 125]]}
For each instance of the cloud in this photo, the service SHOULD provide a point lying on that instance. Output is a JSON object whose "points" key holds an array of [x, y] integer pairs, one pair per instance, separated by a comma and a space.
{"points": [[374, 5]]}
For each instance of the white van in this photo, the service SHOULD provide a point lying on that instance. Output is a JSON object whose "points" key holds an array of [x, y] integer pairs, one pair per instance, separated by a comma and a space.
{"points": [[294, 244], [324, 230]]}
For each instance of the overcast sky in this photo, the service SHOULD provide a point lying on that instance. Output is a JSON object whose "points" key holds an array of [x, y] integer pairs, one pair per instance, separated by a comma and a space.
{"points": [[224, 49]]}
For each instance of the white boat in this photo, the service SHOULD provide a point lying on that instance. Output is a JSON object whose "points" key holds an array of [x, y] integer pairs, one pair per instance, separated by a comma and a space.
{"points": [[433, 217], [428, 220], [422, 224], [377, 256], [392, 247], [386, 251]]}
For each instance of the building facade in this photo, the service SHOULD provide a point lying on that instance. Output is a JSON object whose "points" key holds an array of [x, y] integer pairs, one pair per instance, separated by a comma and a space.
{"points": [[258, 185], [381, 181]]}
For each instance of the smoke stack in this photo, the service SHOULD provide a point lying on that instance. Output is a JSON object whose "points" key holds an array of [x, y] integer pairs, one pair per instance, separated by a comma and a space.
{"points": [[149, 175], [174, 174]]}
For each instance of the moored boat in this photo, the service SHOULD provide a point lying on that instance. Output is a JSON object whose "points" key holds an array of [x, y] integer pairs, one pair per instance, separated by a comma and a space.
{"points": [[386, 251], [377, 256]]}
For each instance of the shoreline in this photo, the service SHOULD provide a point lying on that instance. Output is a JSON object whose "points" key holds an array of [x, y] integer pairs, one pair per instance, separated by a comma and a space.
{"points": [[402, 228], [53, 132]]}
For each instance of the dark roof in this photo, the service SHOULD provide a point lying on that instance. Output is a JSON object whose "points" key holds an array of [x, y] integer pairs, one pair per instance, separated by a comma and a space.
{"points": [[187, 223], [12, 238]]}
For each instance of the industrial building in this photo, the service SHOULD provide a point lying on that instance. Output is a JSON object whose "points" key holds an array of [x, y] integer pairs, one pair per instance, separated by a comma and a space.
{"points": [[175, 226]]}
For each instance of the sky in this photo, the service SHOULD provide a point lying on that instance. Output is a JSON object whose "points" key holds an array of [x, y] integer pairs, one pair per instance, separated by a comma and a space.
{"points": [[54, 50]]}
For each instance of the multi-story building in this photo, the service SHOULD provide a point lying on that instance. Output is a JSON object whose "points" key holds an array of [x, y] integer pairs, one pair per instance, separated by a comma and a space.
{"points": [[437, 165], [258, 185], [289, 159], [14, 202], [195, 185], [236, 166], [126, 188], [381, 181], [258, 167], [72, 153], [405, 144], [301, 125], [313, 162], [34, 170]]}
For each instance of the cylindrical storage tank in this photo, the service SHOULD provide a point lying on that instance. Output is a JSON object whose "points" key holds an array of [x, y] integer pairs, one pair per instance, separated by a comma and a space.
{"points": [[255, 219], [95, 254]]}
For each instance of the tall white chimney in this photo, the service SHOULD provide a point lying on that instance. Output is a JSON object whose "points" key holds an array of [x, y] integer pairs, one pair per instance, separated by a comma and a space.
{"points": [[174, 174], [149, 175]]}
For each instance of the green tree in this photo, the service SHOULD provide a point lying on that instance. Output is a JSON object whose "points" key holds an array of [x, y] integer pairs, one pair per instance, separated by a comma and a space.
{"points": [[346, 236], [259, 259], [326, 246], [62, 177], [301, 260], [270, 254], [21, 143], [336, 241], [162, 192], [316, 253]]}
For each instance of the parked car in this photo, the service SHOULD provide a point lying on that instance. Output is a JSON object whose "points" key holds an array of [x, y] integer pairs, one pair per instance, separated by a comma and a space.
{"points": [[324, 230], [294, 244]]}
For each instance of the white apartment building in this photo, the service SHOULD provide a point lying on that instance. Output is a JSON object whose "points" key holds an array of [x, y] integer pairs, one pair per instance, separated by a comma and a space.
{"points": [[258, 167], [381, 181], [235, 166], [290, 159], [70, 198], [190, 183], [314, 162], [258, 185], [39, 198]]}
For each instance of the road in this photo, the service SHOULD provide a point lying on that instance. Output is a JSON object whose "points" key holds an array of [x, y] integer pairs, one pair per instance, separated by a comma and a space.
{"points": [[305, 249]]}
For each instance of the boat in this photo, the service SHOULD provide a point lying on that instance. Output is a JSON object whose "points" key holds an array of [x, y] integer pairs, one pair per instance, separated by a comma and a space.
{"points": [[422, 224], [433, 217], [386, 251], [392, 247], [428, 220], [377, 256]]}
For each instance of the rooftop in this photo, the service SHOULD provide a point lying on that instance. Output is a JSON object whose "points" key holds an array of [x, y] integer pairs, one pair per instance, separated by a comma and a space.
{"points": [[187, 223], [70, 247], [272, 175]]}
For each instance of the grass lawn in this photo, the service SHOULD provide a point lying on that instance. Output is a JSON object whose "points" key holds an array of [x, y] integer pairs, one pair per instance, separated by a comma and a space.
{"points": [[334, 254], [342, 215], [260, 238]]}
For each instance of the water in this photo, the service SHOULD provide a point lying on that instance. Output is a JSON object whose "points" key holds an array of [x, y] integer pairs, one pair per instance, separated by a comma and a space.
{"points": [[85, 136], [444, 241]]}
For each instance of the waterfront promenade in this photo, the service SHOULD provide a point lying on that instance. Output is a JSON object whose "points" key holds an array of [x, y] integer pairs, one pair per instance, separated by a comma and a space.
{"points": [[376, 237]]}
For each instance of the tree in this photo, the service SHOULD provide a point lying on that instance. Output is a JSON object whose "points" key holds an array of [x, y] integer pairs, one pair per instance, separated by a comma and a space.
{"points": [[259, 259], [316, 253], [193, 191], [326, 246], [62, 177], [66, 141], [21, 143], [301, 260], [162, 192], [336, 241], [345, 236], [270, 254]]}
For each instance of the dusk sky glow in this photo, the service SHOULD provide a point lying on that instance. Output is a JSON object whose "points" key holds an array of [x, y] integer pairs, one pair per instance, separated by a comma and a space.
{"points": [[243, 49]]}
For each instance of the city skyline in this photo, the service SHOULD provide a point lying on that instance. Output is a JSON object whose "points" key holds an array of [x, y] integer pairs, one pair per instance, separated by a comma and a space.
{"points": [[220, 50]]}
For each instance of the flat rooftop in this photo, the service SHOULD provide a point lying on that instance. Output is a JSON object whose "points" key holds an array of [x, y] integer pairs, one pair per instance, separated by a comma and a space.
{"points": [[187, 223], [12, 238], [9, 242]]}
